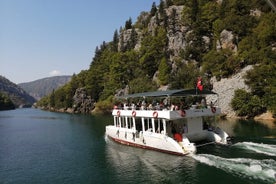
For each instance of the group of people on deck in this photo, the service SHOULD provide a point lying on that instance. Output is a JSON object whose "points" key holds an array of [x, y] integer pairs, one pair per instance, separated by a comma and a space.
{"points": [[162, 105]]}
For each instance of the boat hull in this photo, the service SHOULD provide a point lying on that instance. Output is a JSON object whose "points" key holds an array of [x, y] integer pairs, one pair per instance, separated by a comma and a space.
{"points": [[149, 140], [145, 147]]}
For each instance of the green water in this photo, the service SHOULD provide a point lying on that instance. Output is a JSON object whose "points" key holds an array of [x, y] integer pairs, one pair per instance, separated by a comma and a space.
{"points": [[45, 147]]}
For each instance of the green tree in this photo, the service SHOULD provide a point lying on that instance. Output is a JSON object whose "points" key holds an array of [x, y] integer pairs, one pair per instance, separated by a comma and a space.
{"points": [[152, 50], [209, 14], [185, 76], [169, 3], [52, 99], [115, 41], [246, 104], [164, 72], [265, 32], [121, 71], [128, 24], [153, 9], [219, 63], [262, 82], [5, 102], [161, 9], [132, 41], [141, 84]]}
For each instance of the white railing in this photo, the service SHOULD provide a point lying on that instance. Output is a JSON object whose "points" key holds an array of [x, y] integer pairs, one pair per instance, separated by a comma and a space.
{"points": [[168, 114]]}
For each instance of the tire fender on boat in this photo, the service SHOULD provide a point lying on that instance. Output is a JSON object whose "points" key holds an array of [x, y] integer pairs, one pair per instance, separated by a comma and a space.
{"points": [[133, 113], [213, 109], [182, 113], [118, 113], [155, 114]]}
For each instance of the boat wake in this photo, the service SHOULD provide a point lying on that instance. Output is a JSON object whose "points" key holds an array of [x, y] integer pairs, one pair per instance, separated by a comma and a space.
{"points": [[244, 167], [266, 149]]}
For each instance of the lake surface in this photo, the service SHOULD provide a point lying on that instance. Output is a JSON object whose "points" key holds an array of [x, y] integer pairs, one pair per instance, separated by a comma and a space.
{"points": [[46, 147]]}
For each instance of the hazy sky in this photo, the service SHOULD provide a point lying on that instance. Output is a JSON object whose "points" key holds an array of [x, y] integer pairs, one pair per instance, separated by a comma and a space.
{"points": [[42, 38]]}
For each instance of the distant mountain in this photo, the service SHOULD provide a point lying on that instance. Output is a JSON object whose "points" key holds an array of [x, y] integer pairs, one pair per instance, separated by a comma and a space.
{"points": [[16, 94], [45, 86]]}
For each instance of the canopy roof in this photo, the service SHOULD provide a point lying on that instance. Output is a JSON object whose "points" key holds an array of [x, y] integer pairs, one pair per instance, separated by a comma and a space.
{"points": [[168, 93]]}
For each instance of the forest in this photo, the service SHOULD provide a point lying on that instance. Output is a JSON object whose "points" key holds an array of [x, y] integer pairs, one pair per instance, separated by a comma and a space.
{"points": [[144, 61], [5, 102]]}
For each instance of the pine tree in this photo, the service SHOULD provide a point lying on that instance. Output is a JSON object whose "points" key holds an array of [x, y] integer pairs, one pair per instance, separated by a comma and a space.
{"points": [[153, 9], [128, 24], [133, 39], [163, 71], [115, 41]]}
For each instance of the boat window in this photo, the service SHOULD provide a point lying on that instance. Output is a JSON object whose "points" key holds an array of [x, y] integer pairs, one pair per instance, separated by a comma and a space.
{"points": [[138, 123], [148, 125], [129, 122], [158, 125], [176, 126], [122, 122], [117, 122]]}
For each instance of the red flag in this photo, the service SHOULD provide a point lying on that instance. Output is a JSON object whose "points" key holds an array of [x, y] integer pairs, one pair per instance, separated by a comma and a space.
{"points": [[199, 83]]}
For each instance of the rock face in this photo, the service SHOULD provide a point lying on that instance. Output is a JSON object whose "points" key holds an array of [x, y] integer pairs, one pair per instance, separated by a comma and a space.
{"points": [[177, 33], [82, 103], [226, 88], [226, 41]]}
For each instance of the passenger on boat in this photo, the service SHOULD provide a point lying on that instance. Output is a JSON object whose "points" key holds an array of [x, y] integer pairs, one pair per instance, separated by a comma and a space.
{"points": [[203, 103], [133, 106], [178, 137], [172, 107], [173, 129], [185, 129], [158, 106], [125, 106], [205, 126], [144, 105]]}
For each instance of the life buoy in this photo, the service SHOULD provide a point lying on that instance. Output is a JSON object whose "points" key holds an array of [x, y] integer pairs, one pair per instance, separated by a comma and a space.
{"points": [[133, 113], [155, 114], [182, 113], [213, 109], [118, 113]]}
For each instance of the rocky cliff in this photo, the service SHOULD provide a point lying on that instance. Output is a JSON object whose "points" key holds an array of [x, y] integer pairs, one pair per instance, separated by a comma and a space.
{"points": [[226, 87]]}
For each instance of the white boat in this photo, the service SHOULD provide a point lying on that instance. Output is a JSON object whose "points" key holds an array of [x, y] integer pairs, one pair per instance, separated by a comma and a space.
{"points": [[168, 128]]}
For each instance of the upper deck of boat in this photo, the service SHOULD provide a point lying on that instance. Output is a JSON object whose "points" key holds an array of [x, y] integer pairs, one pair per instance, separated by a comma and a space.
{"points": [[166, 111], [167, 114]]}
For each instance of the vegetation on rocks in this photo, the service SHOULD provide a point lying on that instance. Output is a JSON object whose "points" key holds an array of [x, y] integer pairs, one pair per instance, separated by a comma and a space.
{"points": [[177, 41], [5, 102]]}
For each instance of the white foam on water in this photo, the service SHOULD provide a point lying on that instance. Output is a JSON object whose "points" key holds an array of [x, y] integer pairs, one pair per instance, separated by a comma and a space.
{"points": [[267, 149], [245, 167]]}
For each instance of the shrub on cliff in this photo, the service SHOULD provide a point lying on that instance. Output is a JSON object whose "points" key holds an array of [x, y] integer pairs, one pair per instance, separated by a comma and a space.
{"points": [[5, 102], [246, 104]]}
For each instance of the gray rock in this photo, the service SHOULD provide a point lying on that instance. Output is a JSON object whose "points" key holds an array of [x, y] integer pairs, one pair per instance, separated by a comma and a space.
{"points": [[226, 88], [82, 103]]}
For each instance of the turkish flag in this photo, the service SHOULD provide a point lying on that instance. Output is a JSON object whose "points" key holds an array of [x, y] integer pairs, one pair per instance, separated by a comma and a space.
{"points": [[199, 84]]}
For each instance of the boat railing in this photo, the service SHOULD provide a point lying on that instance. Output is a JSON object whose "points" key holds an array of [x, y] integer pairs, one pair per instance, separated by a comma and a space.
{"points": [[167, 113], [163, 107]]}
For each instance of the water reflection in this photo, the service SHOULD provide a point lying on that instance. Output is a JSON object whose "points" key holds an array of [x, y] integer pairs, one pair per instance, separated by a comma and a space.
{"points": [[139, 165], [249, 128]]}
